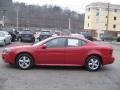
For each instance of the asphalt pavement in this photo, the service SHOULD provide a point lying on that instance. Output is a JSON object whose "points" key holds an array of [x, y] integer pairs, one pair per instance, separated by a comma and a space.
{"points": [[61, 78]]}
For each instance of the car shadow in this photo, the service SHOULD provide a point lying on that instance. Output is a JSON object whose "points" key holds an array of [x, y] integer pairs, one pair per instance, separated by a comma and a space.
{"points": [[59, 68], [46, 67], [70, 68]]}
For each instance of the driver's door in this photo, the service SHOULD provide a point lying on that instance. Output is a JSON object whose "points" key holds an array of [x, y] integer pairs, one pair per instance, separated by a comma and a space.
{"points": [[54, 53]]}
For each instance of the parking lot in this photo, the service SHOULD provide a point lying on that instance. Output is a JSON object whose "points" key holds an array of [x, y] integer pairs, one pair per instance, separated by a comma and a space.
{"points": [[61, 78]]}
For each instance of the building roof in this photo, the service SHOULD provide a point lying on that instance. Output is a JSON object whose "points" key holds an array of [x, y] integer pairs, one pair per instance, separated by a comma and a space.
{"points": [[103, 5]]}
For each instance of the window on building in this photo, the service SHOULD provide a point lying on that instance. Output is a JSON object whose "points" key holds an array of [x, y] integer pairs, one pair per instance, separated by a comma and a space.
{"points": [[105, 24], [88, 9], [88, 17], [114, 26], [115, 10], [115, 18], [97, 14], [88, 24]]}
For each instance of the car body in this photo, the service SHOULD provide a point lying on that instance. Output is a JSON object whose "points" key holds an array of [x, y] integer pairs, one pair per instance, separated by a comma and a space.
{"points": [[60, 51], [78, 35], [106, 37], [58, 33], [27, 35], [45, 34], [36, 35], [87, 35], [118, 39], [12, 32], [19, 34], [5, 38]]}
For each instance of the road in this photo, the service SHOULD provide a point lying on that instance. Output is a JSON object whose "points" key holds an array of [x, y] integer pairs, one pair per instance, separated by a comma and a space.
{"points": [[61, 78]]}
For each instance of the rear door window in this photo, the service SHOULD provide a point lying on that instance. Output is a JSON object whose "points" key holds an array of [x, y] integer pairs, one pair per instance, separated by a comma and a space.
{"points": [[75, 42]]}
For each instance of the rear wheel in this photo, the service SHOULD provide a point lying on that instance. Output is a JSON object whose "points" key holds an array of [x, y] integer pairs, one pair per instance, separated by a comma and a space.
{"points": [[24, 61], [93, 63]]}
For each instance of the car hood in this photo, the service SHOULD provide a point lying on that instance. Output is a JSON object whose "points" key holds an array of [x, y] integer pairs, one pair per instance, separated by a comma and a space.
{"points": [[2, 38], [20, 47]]}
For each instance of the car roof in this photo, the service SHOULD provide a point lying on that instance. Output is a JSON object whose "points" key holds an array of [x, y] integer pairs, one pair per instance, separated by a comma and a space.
{"points": [[65, 36], [53, 37]]}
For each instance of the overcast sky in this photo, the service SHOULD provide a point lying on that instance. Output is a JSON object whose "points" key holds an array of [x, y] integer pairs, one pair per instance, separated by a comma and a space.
{"points": [[75, 5]]}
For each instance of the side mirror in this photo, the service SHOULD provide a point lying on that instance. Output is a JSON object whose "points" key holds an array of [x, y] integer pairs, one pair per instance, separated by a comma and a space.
{"points": [[44, 46]]}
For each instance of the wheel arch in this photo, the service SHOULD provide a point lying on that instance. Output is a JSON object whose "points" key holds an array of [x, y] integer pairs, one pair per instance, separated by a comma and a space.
{"points": [[25, 53], [97, 55]]}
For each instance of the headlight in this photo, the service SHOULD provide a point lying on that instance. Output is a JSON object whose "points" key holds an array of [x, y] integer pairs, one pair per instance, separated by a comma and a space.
{"points": [[6, 50]]}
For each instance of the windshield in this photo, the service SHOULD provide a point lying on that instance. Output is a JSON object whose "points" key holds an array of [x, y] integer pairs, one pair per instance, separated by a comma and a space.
{"points": [[26, 32]]}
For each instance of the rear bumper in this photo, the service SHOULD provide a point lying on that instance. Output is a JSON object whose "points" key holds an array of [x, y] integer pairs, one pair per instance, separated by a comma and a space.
{"points": [[27, 39], [108, 60]]}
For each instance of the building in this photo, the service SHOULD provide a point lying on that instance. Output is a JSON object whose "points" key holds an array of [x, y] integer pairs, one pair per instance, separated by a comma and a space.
{"points": [[102, 18], [5, 5]]}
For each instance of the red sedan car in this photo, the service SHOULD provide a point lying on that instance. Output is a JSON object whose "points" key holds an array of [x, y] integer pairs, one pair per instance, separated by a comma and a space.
{"points": [[60, 51]]}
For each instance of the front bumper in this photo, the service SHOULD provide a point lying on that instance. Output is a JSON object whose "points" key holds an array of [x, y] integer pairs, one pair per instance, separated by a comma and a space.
{"points": [[8, 58]]}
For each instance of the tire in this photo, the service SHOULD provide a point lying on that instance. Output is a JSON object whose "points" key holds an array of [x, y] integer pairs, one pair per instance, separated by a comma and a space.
{"points": [[24, 61], [93, 63]]}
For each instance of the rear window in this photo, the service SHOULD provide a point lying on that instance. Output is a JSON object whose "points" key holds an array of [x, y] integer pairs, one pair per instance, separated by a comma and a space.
{"points": [[26, 32], [75, 42]]}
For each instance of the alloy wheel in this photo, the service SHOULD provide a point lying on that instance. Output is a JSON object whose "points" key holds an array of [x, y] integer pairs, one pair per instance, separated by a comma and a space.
{"points": [[93, 63], [24, 61]]}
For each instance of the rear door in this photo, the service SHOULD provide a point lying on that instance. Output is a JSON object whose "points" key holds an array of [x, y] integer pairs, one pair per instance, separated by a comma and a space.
{"points": [[75, 51]]}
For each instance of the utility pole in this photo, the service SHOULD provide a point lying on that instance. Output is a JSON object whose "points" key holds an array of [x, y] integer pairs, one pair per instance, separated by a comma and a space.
{"points": [[17, 17], [108, 11], [69, 25], [3, 18], [98, 19]]}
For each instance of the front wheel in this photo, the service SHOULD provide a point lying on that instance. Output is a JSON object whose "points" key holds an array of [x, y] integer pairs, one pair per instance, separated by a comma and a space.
{"points": [[24, 61], [93, 63]]}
